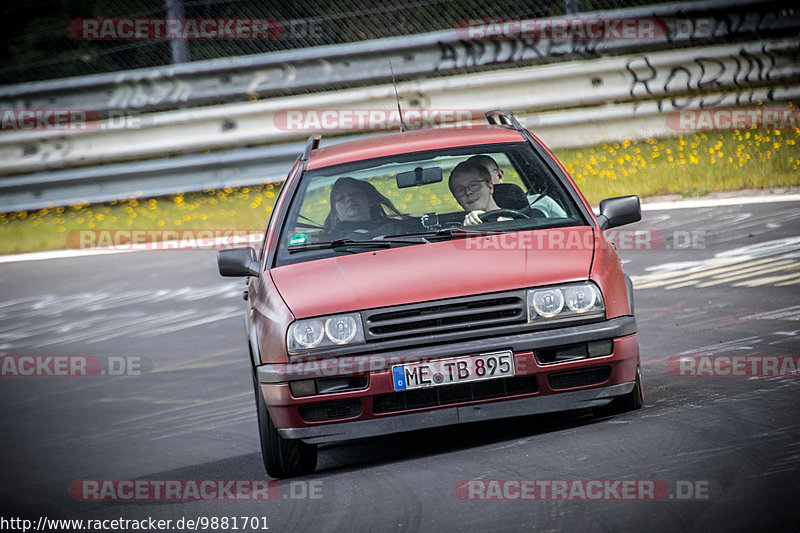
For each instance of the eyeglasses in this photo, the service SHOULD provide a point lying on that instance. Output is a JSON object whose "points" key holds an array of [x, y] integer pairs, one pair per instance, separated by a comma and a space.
{"points": [[471, 187]]}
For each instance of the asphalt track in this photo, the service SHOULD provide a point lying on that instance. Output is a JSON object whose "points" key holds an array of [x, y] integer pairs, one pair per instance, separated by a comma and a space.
{"points": [[722, 281]]}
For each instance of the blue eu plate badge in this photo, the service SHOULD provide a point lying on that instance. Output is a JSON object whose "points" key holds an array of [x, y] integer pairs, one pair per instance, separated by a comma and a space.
{"points": [[399, 378]]}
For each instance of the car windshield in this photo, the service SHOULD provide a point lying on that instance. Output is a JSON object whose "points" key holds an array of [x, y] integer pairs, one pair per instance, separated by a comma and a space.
{"points": [[423, 197]]}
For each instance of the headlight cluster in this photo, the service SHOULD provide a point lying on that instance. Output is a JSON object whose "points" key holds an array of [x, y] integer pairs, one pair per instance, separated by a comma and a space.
{"points": [[311, 333], [576, 299]]}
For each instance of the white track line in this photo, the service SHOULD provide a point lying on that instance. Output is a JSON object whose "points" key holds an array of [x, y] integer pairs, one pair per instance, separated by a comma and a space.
{"points": [[58, 254], [719, 202], [220, 243]]}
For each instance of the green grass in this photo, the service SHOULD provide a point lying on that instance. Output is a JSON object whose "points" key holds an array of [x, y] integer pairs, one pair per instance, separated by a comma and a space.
{"points": [[689, 165]]}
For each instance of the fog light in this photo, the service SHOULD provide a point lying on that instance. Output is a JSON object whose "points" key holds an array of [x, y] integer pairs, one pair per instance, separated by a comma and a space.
{"points": [[305, 387], [598, 348], [328, 385]]}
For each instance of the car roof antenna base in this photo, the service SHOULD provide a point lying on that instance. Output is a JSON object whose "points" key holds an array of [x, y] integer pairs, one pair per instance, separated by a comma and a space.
{"points": [[499, 117], [311, 144]]}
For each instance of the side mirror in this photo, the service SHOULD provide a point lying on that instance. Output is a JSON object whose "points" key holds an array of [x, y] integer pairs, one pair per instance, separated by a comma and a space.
{"points": [[238, 262], [619, 211]]}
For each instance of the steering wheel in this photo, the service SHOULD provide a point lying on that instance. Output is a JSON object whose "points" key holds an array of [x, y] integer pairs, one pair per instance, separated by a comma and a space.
{"points": [[491, 216]]}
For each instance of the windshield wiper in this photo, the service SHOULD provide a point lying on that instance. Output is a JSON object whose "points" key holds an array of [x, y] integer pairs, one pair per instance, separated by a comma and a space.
{"points": [[415, 238], [448, 233], [345, 245]]}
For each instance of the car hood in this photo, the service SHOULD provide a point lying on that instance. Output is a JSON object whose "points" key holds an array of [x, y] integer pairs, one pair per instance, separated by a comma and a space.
{"points": [[424, 272]]}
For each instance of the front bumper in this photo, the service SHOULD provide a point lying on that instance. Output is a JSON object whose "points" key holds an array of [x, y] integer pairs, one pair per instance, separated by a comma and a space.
{"points": [[520, 342], [565, 401], [373, 410]]}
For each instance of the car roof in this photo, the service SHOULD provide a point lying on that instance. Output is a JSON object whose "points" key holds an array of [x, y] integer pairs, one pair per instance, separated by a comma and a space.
{"points": [[410, 141]]}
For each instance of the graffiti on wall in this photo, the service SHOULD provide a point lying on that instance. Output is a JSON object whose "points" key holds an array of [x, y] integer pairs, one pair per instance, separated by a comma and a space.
{"points": [[683, 27], [702, 81]]}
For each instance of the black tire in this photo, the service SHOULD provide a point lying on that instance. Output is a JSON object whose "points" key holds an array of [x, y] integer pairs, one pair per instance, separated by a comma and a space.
{"points": [[282, 457], [622, 404]]}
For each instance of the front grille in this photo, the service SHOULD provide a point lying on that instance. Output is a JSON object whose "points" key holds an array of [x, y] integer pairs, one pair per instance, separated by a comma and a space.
{"points": [[330, 411], [445, 316], [450, 394], [579, 378]]}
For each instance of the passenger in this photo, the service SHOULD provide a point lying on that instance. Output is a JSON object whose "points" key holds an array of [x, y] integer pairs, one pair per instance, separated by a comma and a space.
{"points": [[358, 207], [471, 185], [490, 165]]}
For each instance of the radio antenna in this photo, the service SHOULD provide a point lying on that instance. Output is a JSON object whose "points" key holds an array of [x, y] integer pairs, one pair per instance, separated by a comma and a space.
{"points": [[397, 97]]}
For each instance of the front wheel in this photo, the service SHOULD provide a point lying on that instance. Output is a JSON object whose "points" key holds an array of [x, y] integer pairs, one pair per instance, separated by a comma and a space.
{"points": [[630, 402], [282, 457]]}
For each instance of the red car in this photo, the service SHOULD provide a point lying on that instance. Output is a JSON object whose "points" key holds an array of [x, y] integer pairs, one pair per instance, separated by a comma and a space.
{"points": [[432, 277]]}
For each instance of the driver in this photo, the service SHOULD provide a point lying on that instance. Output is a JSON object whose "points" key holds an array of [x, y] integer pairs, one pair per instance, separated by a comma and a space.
{"points": [[358, 208], [544, 203], [472, 187]]}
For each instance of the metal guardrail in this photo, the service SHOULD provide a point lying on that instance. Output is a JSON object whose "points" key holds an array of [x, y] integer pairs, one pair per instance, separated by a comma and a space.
{"points": [[234, 168], [685, 74], [151, 178], [365, 63], [249, 166], [566, 104]]}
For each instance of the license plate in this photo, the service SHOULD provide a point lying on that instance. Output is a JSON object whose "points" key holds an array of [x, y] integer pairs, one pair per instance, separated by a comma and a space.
{"points": [[457, 370]]}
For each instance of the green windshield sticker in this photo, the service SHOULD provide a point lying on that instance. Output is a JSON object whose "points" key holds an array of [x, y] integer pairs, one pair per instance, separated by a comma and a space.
{"points": [[300, 238]]}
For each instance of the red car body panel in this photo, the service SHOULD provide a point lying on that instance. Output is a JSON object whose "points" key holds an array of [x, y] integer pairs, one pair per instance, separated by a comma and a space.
{"points": [[607, 270], [435, 271], [413, 141]]}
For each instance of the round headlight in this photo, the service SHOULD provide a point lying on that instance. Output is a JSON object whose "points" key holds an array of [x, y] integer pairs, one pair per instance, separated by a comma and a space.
{"points": [[548, 303], [308, 333], [580, 299], [341, 329]]}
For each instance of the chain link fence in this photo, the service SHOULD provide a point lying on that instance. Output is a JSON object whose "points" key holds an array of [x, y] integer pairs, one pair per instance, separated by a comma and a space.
{"points": [[37, 43]]}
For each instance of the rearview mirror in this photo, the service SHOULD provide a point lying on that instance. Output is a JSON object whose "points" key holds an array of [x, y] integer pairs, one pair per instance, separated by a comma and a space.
{"points": [[619, 211], [238, 262], [419, 176]]}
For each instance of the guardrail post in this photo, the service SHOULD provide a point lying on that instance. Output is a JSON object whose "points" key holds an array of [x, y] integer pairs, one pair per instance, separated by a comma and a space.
{"points": [[179, 47], [571, 7]]}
